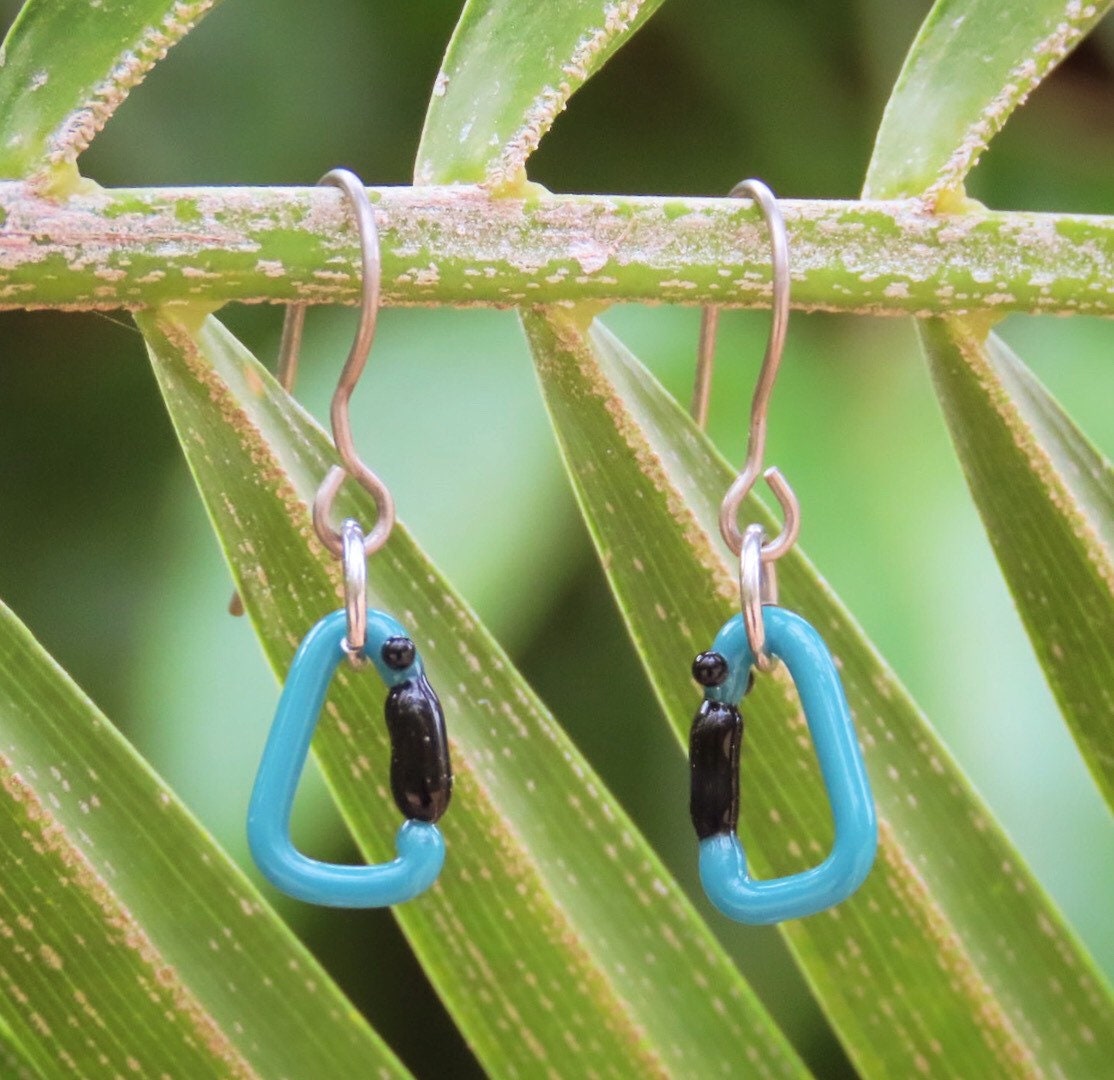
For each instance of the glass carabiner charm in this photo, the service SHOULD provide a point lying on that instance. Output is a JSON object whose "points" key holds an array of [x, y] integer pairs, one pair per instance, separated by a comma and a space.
{"points": [[714, 751], [421, 777]]}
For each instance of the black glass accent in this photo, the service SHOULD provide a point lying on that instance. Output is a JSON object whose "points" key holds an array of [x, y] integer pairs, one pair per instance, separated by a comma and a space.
{"points": [[397, 653], [421, 774], [714, 745], [709, 669]]}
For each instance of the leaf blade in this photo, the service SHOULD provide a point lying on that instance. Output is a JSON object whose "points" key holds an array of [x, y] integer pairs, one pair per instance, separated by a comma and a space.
{"points": [[996, 412], [949, 971], [141, 927], [973, 62], [1046, 497], [509, 71], [68, 64], [526, 912]]}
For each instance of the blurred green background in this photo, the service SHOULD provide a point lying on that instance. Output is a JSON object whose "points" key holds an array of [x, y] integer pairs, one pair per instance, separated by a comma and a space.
{"points": [[106, 554]]}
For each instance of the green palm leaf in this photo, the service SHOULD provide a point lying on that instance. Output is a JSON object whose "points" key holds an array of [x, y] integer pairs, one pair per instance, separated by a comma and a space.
{"points": [[973, 62], [65, 67], [509, 71], [1045, 494], [131, 944]]}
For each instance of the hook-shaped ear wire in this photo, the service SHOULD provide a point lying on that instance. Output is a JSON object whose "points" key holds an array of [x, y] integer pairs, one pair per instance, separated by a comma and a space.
{"points": [[760, 403], [350, 374], [287, 373]]}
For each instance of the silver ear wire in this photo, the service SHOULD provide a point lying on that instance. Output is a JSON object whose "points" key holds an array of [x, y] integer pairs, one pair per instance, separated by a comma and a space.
{"points": [[757, 574], [760, 403], [354, 365], [350, 374]]}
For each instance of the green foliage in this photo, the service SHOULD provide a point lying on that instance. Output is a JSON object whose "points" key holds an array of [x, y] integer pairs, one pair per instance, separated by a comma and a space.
{"points": [[558, 939], [54, 98], [1047, 499], [1045, 493], [972, 64], [131, 943], [509, 71]]}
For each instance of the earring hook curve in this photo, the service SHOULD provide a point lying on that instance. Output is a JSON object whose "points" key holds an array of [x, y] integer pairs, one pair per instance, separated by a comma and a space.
{"points": [[767, 203], [290, 348]]}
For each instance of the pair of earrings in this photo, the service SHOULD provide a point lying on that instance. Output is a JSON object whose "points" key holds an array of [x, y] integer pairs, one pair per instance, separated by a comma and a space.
{"points": [[421, 776]]}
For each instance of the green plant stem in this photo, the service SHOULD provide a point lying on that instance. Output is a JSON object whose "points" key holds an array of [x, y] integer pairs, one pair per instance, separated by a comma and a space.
{"points": [[458, 246]]}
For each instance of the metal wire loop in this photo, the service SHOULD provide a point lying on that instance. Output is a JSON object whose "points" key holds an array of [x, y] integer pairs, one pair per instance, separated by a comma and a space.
{"points": [[757, 586], [760, 403], [289, 350], [323, 508], [350, 374], [355, 590]]}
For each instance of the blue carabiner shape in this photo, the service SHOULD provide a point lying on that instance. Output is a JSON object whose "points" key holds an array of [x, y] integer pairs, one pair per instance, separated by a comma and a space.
{"points": [[714, 756], [421, 778]]}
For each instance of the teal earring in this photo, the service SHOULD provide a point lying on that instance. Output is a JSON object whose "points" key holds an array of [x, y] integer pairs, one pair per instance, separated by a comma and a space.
{"points": [[420, 772], [755, 640]]}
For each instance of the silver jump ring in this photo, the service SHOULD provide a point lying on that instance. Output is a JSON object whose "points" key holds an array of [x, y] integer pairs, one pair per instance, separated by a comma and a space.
{"points": [[757, 586], [355, 590]]}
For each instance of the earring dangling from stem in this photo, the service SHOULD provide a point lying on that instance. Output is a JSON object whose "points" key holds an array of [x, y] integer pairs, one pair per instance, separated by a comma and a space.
{"points": [[421, 775], [759, 636]]}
